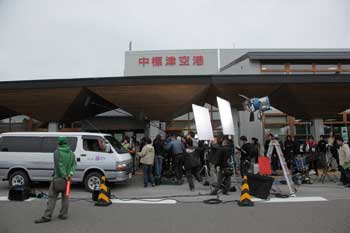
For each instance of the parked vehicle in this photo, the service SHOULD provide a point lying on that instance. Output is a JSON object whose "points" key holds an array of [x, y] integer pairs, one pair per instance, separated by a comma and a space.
{"points": [[28, 157]]}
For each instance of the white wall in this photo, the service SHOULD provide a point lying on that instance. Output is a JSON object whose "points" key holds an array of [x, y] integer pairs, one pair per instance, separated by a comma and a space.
{"points": [[250, 129]]}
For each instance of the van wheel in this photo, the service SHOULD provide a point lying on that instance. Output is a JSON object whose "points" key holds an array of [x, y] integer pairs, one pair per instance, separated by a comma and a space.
{"points": [[19, 178], [92, 181]]}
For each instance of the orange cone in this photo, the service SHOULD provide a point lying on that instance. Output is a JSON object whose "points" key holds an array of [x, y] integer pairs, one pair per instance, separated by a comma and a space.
{"points": [[246, 199], [104, 196]]}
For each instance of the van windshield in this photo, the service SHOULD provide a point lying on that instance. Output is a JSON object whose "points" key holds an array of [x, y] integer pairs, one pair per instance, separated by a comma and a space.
{"points": [[116, 145]]}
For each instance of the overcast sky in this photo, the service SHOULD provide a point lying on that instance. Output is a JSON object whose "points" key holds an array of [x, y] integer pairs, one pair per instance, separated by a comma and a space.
{"points": [[41, 39]]}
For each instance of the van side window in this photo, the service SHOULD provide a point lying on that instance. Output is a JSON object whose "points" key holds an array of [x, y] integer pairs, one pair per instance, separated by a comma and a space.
{"points": [[97, 145], [20, 144], [116, 144], [50, 144]]}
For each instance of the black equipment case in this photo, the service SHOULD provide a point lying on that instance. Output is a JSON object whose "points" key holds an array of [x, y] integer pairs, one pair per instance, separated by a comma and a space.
{"points": [[260, 186]]}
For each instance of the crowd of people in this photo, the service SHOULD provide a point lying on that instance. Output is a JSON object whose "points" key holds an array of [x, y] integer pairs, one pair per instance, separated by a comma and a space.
{"points": [[329, 152], [178, 157]]}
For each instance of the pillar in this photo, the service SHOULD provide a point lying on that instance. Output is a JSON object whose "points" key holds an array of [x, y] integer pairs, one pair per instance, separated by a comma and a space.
{"points": [[235, 117], [53, 127], [317, 128]]}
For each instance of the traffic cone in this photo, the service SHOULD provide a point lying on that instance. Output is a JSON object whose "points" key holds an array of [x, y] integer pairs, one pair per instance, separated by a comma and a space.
{"points": [[246, 199], [105, 195]]}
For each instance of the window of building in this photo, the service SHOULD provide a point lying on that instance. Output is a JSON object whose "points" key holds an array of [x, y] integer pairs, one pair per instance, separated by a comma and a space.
{"points": [[301, 67], [281, 133], [278, 68], [302, 131], [192, 125], [304, 68], [216, 116], [345, 68], [336, 118], [336, 130], [186, 122], [327, 130], [20, 144], [275, 119], [327, 68]]}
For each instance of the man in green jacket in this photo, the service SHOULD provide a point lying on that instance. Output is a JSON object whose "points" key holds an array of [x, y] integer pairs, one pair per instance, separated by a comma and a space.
{"points": [[64, 161]]}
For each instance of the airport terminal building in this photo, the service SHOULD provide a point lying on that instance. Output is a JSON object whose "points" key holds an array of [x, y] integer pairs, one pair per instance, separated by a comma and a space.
{"points": [[307, 87]]}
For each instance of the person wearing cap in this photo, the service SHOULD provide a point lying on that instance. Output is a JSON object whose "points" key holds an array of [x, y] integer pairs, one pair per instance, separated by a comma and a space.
{"points": [[64, 169], [245, 155]]}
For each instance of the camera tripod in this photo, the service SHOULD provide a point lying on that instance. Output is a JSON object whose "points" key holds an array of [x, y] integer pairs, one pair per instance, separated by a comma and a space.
{"points": [[325, 174], [205, 168]]}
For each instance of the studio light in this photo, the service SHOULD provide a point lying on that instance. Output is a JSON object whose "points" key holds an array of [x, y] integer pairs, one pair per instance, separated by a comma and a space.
{"points": [[259, 105], [226, 116], [203, 123]]}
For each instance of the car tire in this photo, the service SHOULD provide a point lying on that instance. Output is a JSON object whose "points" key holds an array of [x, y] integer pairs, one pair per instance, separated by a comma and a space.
{"points": [[92, 181], [19, 178]]}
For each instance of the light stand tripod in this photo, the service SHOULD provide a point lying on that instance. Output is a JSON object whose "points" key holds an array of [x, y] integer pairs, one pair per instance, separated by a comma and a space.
{"points": [[329, 164], [205, 167], [274, 145]]}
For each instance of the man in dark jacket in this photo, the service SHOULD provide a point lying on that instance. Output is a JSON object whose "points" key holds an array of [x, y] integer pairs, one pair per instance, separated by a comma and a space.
{"points": [[289, 151], [64, 162], [322, 149], [255, 146], [224, 167], [192, 164], [322, 145], [158, 145], [245, 155], [177, 149]]}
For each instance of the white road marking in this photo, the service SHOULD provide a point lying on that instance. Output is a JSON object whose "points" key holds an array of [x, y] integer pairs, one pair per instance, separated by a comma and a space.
{"points": [[290, 199], [143, 201]]}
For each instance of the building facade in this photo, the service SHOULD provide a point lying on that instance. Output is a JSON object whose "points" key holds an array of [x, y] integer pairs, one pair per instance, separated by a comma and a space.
{"points": [[246, 62], [179, 78]]}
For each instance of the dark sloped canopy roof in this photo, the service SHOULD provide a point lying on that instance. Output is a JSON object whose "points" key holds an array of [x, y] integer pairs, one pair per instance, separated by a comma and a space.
{"points": [[166, 97], [6, 113], [113, 123]]}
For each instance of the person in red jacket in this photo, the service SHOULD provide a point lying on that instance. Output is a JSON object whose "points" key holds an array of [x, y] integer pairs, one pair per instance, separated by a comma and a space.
{"points": [[312, 154]]}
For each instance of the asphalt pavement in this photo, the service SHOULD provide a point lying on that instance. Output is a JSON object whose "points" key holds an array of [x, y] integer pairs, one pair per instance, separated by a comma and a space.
{"points": [[84, 217], [188, 215]]}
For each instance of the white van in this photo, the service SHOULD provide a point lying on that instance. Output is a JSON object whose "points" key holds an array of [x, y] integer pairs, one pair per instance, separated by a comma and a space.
{"points": [[28, 157]]}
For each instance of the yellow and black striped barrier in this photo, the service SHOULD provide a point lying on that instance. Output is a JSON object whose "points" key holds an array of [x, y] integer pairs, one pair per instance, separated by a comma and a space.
{"points": [[246, 199], [104, 198]]}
